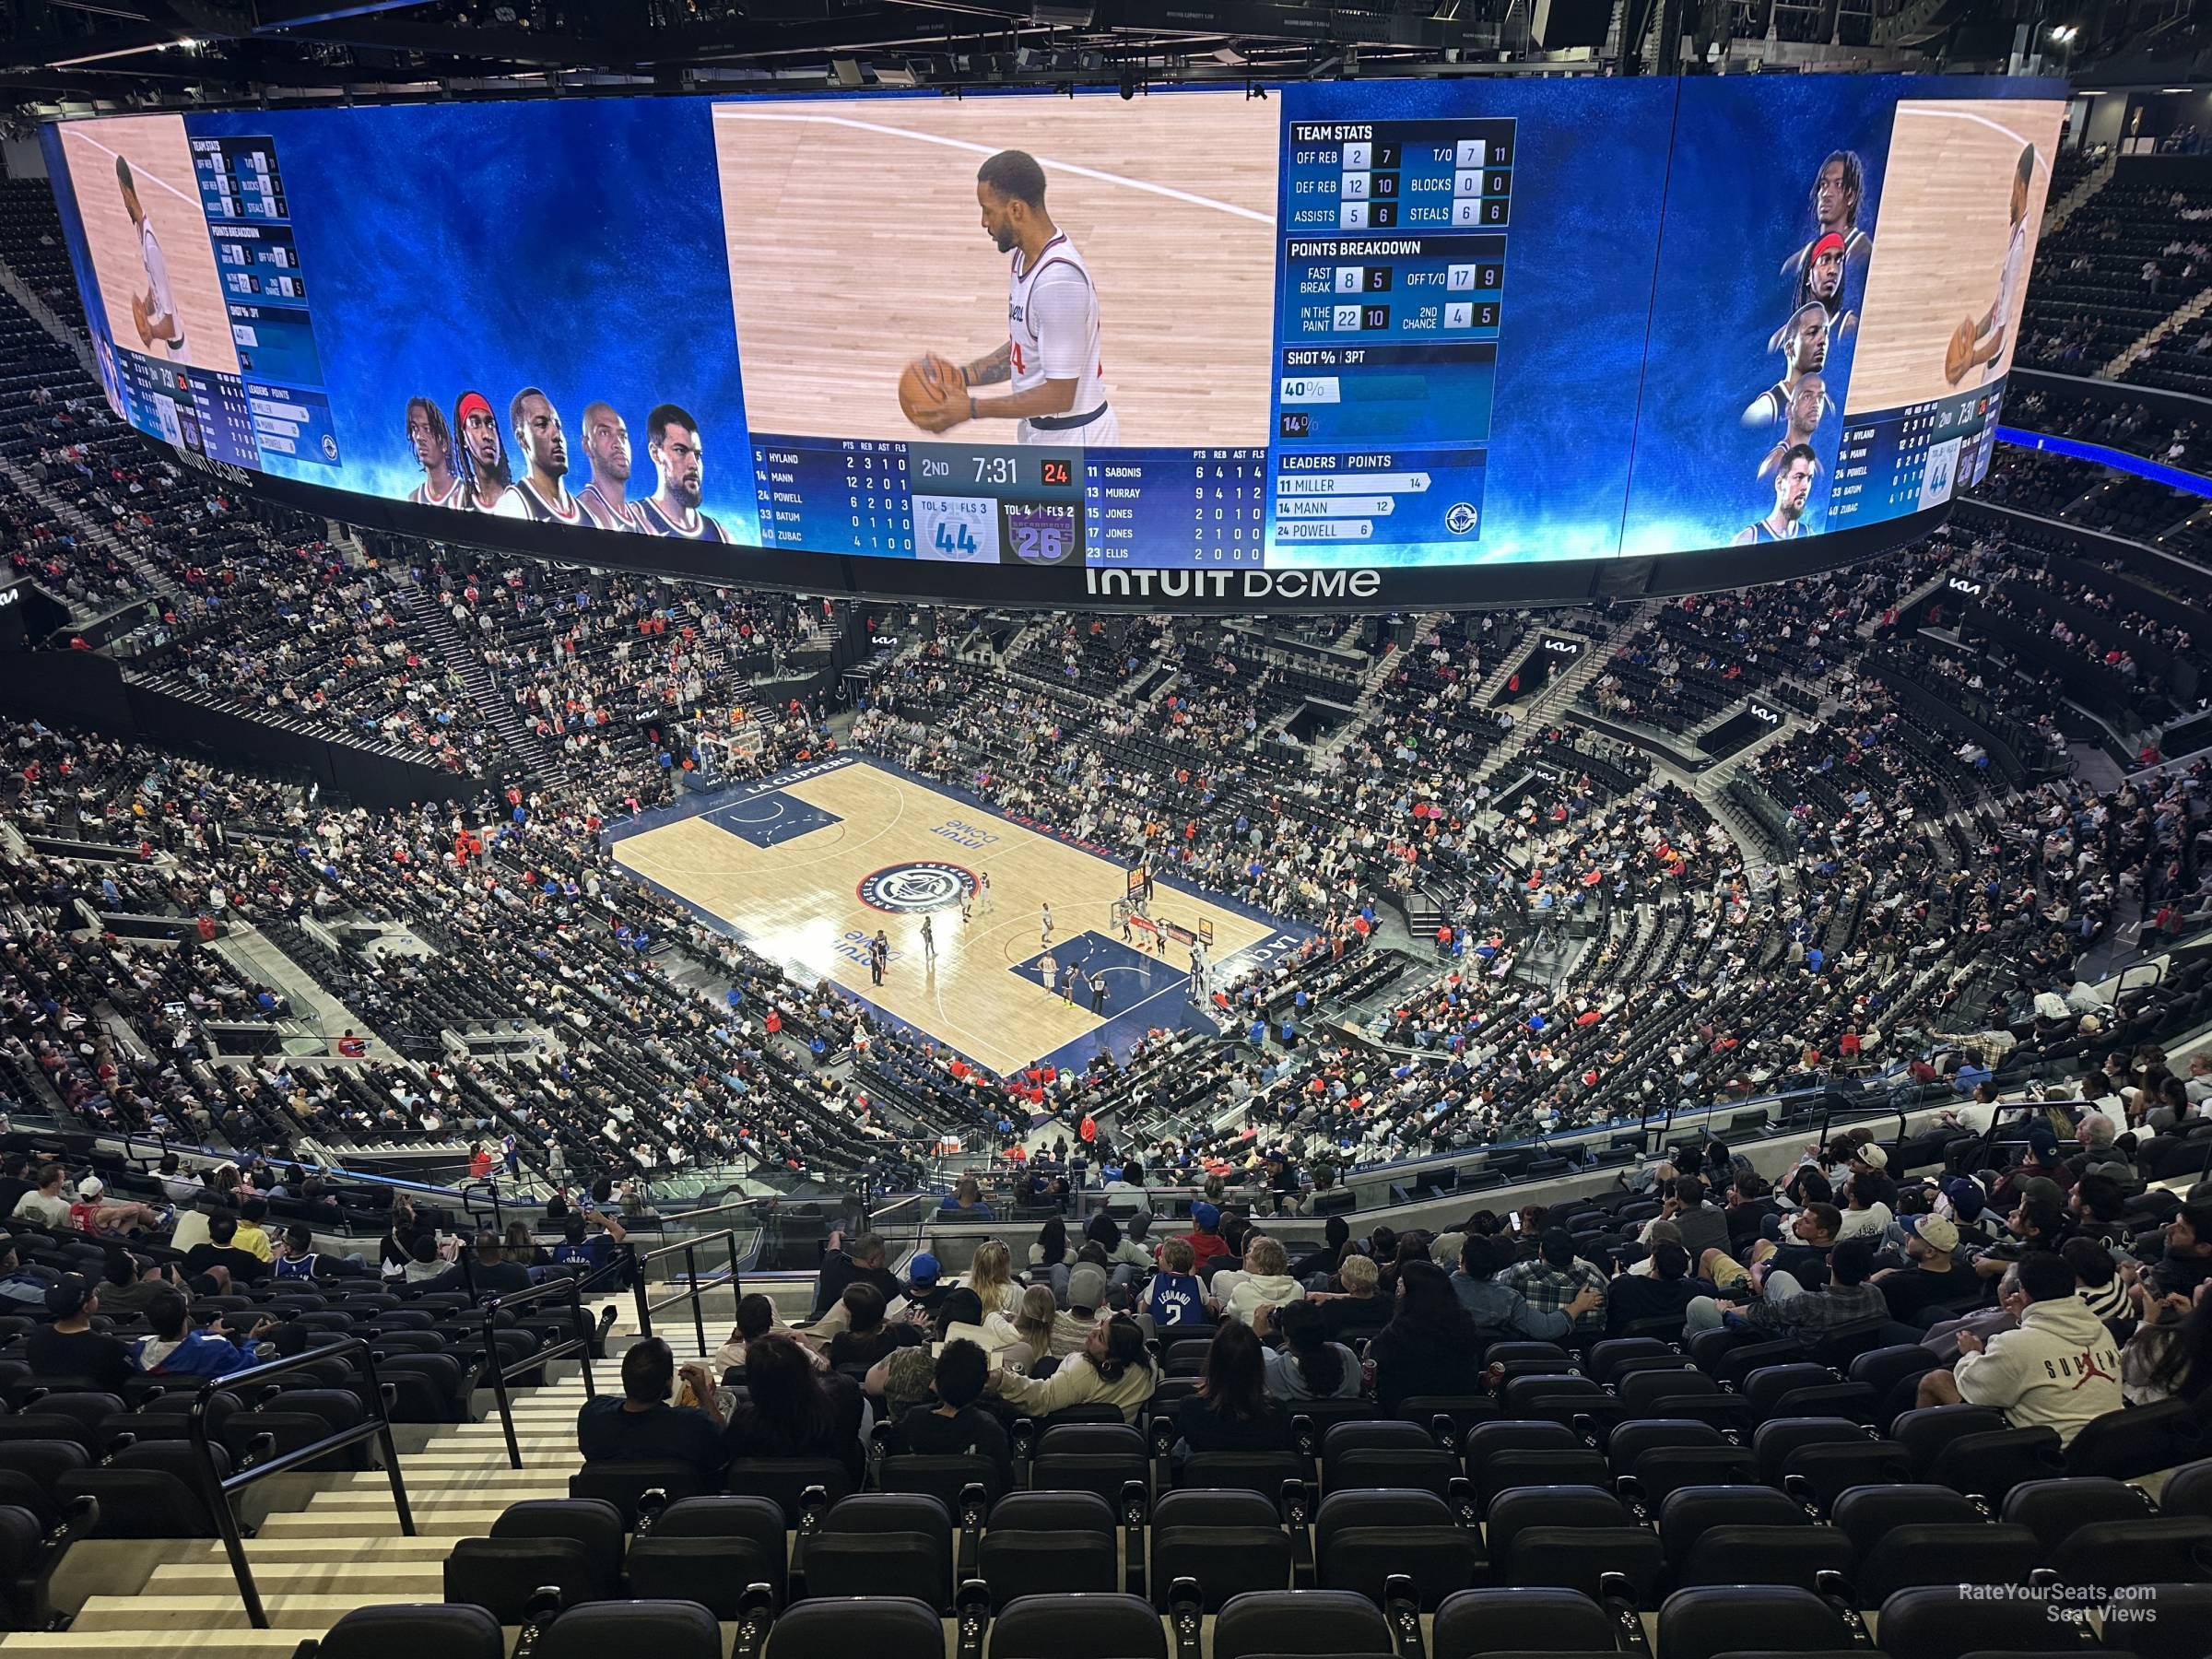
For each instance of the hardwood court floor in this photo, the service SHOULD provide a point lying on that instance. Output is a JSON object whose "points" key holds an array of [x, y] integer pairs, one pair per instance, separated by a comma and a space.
{"points": [[855, 243], [162, 169], [1939, 243], [796, 899]]}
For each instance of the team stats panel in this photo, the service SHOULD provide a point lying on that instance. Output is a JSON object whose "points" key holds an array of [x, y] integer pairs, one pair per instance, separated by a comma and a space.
{"points": [[266, 294], [1391, 282]]}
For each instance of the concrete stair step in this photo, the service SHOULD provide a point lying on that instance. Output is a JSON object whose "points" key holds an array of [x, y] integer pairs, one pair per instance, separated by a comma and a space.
{"points": [[300, 1615], [422, 1579], [144, 1643], [364, 1524], [438, 1501], [276, 1552]]}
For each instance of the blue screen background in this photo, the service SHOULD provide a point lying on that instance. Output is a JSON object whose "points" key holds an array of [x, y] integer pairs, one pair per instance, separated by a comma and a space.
{"points": [[578, 246]]}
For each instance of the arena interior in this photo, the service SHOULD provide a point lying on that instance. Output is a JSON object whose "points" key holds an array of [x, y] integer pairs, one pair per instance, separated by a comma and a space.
{"points": [[551, 1098]]}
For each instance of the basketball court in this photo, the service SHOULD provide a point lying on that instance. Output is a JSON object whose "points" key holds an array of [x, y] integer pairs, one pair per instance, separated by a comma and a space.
{"points": [[160, 162], [807, 866], [825, 202], [1939, 245]]}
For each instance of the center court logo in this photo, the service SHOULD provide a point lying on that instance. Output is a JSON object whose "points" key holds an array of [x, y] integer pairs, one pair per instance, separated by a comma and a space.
{"points": [[909, 889]]}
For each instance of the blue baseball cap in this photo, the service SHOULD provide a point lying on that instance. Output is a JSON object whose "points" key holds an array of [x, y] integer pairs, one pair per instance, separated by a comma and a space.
{"points": [[923, 1269], [1206, 1216]]}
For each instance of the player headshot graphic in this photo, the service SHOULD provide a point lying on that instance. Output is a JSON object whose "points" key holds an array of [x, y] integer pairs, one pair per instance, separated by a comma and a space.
{"points": [[1808, 407], [1803, 342], [543, 447], [1051, 361], [484, 459], [1992, 329], [1824, 283], [433, 447], [606, 447], [1792, 489], [1839, 190], [672, 439], [153, 312]]}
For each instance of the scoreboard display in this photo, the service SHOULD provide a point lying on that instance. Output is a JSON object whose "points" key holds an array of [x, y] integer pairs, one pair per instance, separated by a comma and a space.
{"points": [[1355, 343]]}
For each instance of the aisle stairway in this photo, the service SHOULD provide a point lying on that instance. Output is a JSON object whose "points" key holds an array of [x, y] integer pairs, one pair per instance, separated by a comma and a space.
{"points": [[536, 759], [329, 1543]]}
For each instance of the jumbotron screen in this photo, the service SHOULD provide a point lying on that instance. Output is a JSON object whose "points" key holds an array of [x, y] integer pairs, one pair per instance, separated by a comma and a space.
{"points": [[1351, 344]]}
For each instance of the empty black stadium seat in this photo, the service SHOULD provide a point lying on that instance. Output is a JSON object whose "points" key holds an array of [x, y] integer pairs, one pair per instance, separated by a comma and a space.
{"points": [[667, 1630], [419, 1631], [1318, 1622], [1704, 1623], [1078, 1627], [896, 1544], [1521, 1620], [1229, 1540], [881, 1628], [710, 1548], [1049, 1543], [1362, 1538]]}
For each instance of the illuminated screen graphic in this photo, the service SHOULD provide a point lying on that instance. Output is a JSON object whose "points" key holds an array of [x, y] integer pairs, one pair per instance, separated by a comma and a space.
{"points": [[1354, 343]]}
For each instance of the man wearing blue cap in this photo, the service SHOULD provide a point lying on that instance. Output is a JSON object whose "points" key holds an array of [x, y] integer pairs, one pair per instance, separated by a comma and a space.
{"points": [[925, 1287], [1206, 1241]]}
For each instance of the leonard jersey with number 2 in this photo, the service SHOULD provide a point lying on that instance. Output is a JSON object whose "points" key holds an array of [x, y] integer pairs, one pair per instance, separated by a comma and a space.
{"points": [[1052, 323]]}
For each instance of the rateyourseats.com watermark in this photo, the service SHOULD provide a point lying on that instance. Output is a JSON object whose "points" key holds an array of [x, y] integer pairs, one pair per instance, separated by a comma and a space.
{"points": [[2110, 1605]]}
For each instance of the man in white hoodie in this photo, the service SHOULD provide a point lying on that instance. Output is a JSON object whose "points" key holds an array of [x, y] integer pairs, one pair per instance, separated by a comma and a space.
{"points": [[2059, 1370]]}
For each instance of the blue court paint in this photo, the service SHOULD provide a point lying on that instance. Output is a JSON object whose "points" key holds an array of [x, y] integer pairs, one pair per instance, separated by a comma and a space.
{"points": [[771, 819]]}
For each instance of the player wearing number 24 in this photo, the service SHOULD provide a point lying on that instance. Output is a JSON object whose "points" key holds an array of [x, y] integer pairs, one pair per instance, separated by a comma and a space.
{"points": [[1051, 360]]}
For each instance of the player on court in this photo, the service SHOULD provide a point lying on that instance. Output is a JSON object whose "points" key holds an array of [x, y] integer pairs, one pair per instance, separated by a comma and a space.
{"points": [[929, 943], [157, 316], [1793, 488], [433, 446], [1993, 326], [1808, 405], [537, 433], [606, 447], [484, 460], [1838, 190], [1052, 360], [982, 887], [1044, 924], [1803, 342], [672, 439], [1046, 969]]}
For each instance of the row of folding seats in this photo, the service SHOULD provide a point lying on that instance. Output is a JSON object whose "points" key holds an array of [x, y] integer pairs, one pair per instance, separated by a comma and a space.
{"points": [[2165, 1622]]}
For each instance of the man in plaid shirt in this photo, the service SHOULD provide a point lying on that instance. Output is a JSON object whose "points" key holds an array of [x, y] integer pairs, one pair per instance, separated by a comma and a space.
{"points": [[1550, 1281], [1781, 1306]]}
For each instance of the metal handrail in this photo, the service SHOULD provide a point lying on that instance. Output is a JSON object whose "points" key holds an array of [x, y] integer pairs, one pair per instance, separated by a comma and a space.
{"points": [[217, 1488], [688, 1249], [578, 1346]]}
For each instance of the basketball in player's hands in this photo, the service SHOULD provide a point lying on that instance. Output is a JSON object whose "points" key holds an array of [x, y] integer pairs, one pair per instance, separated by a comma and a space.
{"points": [[1959, 356], [926, 386]]}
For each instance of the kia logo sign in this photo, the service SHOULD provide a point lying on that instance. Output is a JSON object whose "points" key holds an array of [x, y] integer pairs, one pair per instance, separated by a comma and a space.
{"points": [[9, 597], [1760, 711], [1963, 585], [883, 640], [1564, 647]]}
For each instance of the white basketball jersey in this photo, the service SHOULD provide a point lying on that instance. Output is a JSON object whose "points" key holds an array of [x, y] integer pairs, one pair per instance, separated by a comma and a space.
{"points": [[1052, 323]]}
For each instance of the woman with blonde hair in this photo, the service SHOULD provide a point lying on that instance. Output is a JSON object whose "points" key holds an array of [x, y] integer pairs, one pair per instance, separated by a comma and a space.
{"points": [[991, 1276], [1040, 1327]]}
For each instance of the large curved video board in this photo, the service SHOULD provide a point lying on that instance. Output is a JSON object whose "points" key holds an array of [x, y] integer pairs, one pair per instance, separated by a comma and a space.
{"points": [[1351, 344]]}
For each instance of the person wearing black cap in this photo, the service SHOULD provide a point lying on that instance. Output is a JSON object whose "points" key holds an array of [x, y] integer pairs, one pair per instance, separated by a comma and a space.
{"points": [[69, 1348]]}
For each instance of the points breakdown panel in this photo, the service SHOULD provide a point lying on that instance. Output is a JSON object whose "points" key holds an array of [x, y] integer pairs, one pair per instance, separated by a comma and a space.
{"points": [[1393, 268]]}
